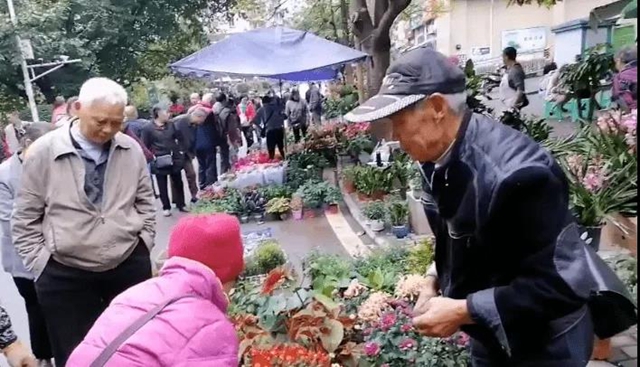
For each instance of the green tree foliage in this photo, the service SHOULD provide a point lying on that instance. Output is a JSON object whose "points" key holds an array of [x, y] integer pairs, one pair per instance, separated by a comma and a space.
{"points": [[126, 40], [325, 18]]}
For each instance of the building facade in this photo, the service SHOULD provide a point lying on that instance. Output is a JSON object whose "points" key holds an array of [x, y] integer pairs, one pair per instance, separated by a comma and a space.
{"points": [[481, 29]]}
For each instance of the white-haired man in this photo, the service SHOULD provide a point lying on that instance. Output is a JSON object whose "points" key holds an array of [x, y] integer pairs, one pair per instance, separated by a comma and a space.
{"points": [[84, 218], [510, 267]]}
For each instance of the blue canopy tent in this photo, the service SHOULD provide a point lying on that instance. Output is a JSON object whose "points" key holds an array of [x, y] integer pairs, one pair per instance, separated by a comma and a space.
{"points": [[275, 53]]}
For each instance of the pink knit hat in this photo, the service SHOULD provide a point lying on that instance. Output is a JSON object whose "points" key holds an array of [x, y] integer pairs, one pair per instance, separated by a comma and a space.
{"points": [[213, 240]]}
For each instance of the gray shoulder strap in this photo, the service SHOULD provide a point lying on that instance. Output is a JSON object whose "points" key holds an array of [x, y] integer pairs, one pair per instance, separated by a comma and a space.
{"points": [[108, 352]]}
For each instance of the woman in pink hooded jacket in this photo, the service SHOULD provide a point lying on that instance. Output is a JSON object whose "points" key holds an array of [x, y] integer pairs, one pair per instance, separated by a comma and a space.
{"points": [[179, 318]]}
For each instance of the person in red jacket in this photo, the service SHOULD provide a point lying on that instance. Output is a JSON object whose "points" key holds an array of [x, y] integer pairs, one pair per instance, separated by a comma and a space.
{"points": [[176, 108], [246, 112]]}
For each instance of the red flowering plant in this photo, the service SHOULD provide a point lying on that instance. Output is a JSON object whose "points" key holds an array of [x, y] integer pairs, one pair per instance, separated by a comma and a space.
{"points": [[252, 159], [390, 340], [288, 355], [287, 314]]}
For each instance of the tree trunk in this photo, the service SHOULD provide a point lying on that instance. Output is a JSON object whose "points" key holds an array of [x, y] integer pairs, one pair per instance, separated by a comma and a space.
{"points": [[373, 34], [346, 33]]}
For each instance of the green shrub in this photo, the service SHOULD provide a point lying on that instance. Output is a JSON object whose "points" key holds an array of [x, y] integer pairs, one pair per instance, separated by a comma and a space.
{"points": [[420, 257], [318, 264], [393, 259], [376, 210], [268, 256]]}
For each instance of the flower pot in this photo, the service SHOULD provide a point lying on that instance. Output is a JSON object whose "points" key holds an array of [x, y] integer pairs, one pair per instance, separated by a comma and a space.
{"points": [[309, 213], [244, 219], [349, 186], [378, 195], [591, 236], [331, 209], [259, 218], [297, 214], [376, 225], [400, 231], [601, 349]]}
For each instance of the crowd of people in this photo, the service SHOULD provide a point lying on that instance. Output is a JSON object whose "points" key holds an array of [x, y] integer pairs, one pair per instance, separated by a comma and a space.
{"points": [[78, 216], [207, 129], [77, 208]]}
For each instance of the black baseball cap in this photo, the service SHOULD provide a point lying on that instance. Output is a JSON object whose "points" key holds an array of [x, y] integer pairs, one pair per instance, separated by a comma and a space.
{"points": [[412, 77]]}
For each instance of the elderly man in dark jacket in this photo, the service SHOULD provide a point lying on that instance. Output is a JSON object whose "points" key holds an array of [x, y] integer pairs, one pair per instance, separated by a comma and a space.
{"points": [[510, 269], [188, 124]]}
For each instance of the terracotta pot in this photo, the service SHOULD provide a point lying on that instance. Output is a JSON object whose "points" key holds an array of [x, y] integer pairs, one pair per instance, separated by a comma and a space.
{"points": [[309, 213], [349, 186], [378, 195], [332, 209], [601, 349], [297, 214]]}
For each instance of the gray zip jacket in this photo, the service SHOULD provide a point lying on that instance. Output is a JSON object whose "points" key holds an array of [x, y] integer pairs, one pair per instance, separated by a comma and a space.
{"points": [[53, 217]]}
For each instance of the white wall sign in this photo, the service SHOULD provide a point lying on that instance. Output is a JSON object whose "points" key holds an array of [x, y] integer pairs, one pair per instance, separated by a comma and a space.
{"points": [[525, 40], [480, 53]]}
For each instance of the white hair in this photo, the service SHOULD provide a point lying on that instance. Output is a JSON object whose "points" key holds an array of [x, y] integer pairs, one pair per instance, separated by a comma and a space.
{"points": [[207, 97], [457, 102], [103, 90]]}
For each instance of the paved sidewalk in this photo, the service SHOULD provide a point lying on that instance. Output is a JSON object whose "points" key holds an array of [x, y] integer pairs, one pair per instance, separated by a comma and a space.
{"points": [[624, 350]]}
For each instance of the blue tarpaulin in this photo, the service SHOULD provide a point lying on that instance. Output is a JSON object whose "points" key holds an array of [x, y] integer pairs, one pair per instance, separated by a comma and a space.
{"points": [[276, 53]]}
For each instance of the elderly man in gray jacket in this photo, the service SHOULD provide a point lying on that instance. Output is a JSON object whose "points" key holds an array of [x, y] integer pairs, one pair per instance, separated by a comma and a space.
{"points": [[84, 218], [10, 172]]}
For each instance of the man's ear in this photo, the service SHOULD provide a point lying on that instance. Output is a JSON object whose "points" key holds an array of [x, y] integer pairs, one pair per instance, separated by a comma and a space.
{"points": [[438, 105]]}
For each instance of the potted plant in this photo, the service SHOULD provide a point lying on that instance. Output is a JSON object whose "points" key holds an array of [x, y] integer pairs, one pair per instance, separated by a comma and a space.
{"points": [[376, 213], [279, 207], [360, 147], [415, 184], [312, 193], [332, 198], [373, 183], [596, 192], [296, 207], [349, 177], [399, 216]]}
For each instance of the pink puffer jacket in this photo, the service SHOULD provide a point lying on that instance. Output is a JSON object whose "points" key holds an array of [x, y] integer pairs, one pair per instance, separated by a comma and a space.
{"points": [[192, 331]]}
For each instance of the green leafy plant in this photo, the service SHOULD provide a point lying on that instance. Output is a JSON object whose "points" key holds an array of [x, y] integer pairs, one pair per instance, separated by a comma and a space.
{"points": [[275, 191], [626, 267], [398, 212], [332, 196], [370, 180], [421, 257], [266, 257], [393, 259], [312, 193], [278, 205], [375, 210], [538, 129]]}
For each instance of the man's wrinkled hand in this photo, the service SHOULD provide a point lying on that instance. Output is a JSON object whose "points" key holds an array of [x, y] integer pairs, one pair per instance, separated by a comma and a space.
{"points": [[443, 317], [18, 355], [425, 296]]}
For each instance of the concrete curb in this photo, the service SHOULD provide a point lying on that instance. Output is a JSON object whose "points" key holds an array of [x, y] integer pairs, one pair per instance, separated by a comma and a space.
{"points": [[381, 239]]}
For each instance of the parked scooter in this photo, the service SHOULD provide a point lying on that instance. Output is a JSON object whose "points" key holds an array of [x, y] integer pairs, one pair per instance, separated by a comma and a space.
{"points": [[491, 81]]}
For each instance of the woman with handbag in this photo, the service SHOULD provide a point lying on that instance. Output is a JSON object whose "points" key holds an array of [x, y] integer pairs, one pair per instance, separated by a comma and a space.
{"points": [[162, 138]]}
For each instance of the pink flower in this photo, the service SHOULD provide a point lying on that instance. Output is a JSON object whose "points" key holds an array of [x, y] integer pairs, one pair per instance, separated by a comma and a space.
{"points": [[463, 340], [408, 344], [406, 328], [593, 181], [371, 349], [388, 320]]}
